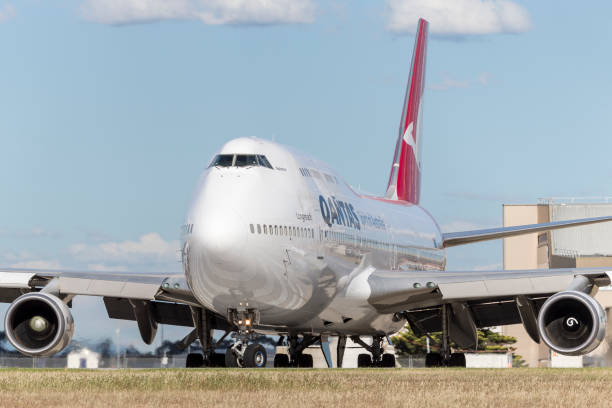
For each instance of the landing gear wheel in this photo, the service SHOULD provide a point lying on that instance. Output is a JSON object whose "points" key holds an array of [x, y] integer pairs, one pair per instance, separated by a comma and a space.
{"points": [[255, 356], [433, 360], [388, 361], [231, 361], [364, 360], [281, 360], [305, 361], [194, 360], [457, 360]]}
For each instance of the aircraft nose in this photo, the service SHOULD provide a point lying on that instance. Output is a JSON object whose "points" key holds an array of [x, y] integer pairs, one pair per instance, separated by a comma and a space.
{"points": [[222, 233]]}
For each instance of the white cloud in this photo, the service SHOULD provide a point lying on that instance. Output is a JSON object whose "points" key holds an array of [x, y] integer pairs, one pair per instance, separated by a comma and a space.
{"points": [[237, 12], [105, 268], [29, 233], [148, 249], [459, 225], [37, 264], [7, 11], [458, 17], [449, 83], [483, 79]]}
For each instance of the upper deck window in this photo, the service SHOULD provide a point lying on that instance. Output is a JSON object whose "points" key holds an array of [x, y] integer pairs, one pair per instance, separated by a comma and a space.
{"points": [[240, 160]]}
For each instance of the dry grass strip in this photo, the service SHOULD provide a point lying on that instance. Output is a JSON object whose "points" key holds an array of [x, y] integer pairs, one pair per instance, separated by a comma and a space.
{"points": [[463, 388]]}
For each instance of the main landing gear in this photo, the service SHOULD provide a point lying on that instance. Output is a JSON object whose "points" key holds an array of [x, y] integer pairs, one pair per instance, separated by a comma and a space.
{"points": [[377, 356], [296, 356], [204, 322], [445, 358]]}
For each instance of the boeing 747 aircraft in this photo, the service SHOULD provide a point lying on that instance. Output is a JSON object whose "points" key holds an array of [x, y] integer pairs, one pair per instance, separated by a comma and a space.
{"points": [[317, 260]]}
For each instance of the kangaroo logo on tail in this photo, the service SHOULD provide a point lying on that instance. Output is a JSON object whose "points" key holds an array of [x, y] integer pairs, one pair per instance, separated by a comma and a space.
{"points": [[409, 139]]}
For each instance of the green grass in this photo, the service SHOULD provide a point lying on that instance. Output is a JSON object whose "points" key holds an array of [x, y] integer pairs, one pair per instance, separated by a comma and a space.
{"points": [[305, 388]]}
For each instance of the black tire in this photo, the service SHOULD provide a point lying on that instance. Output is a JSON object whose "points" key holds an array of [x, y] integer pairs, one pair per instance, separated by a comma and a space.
{"points": [[217, 360], [255, 356], [457, 360], [194, 360], [230, 359], [433, 360], [364, 360], [388, 361], [281, 360], [305, 361]]}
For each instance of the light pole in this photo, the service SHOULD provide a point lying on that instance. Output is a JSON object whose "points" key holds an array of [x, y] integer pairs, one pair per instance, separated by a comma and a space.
{"points": [[118, 349]]}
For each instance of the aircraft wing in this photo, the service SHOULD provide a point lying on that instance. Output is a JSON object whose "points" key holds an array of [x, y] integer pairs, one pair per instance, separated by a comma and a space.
{"points": [[469, 237], [143, 286], [165, 296], [477, 298]]}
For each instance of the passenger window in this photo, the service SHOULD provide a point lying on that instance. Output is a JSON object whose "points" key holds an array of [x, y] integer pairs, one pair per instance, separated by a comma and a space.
{"points": [[285, 230], [265, 229], [271, 230], [252, 228], [276, 230], [258, 229]]}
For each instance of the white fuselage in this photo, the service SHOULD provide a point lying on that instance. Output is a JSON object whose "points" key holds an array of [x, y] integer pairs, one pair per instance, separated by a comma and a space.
{"points": [[296, 243]]}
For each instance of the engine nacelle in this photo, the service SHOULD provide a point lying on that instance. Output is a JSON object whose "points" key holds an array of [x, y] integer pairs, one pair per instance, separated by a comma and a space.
{"points": [[39, 324], [572, 323]]}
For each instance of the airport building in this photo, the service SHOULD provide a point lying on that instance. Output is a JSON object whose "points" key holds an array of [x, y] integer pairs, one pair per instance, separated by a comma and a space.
{"points": [[580, 247]]}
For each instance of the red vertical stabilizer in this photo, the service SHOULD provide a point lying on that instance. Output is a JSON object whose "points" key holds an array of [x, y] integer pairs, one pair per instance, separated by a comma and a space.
{"points": [[405, 178]]}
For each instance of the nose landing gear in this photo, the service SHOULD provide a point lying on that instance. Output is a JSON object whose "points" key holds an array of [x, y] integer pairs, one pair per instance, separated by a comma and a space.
{"points": [[243, 354], [248, 356]]}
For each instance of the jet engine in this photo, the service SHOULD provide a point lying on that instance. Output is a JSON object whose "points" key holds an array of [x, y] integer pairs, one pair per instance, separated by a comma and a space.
{"points": [[39, 324], [572, 323]]}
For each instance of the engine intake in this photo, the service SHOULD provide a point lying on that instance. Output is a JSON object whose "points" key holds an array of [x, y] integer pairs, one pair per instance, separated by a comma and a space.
{"points": [[39, 324], [572, 323]]}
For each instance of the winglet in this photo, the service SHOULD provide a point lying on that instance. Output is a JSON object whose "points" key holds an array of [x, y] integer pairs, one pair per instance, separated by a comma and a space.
{"points": [[405, 178]]}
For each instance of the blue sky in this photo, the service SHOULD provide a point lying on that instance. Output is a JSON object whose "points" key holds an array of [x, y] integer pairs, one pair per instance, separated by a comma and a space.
{"points": [[110, 109]]}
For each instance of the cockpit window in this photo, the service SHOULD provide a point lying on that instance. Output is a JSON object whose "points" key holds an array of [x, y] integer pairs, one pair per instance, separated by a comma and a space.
{"points": [[222, 160], [263, 161], [240, 160], [243, 160]]}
